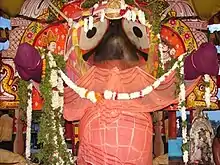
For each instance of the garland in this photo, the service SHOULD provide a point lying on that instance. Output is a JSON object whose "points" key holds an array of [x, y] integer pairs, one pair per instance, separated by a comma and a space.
{"points": [[29, 120], [152, 12], [112, 95], [89, 3], [54, 149], [161, 55], [182, 109], [207, 91], [161, 66], [25, 105], [23, 95]]}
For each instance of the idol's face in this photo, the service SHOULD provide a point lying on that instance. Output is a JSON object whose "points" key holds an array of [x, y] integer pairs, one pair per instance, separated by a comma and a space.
{"points": [[113, 39]]}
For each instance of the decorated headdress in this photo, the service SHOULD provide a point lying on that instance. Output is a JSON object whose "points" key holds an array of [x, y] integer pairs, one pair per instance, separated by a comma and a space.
{"points": [[94, 16], [113, 8]]}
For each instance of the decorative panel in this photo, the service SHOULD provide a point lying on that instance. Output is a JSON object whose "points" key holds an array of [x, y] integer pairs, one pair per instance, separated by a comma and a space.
{"points": [[197, 97], [8, 84]]}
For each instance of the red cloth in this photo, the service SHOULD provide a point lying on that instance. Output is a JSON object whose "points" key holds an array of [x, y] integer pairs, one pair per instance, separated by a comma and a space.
{"points": [[218, 81], [68, 130], [37, 101]]}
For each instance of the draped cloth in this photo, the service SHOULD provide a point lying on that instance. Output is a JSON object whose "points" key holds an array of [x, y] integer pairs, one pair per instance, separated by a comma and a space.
{"points": [[118, 131], [9, 158], [6, 128], [205, 9]]}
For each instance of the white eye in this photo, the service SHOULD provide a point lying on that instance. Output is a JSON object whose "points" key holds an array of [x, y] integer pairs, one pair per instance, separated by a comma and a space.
{"points": [[89, 40], [137, 34]]}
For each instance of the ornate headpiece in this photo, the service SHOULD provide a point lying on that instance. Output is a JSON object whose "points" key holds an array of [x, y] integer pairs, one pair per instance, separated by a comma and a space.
{"points": [[113, 9]]}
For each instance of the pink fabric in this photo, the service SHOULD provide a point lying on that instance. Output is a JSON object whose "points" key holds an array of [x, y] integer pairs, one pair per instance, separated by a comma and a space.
{"points": [[108, 136], [128, 80], [117, 132]]}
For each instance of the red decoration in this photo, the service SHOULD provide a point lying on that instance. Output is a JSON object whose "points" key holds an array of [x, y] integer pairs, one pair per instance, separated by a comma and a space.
{"points": [[218, 81], [172, 125], [68, 130], [37, 101], [122, 12]]}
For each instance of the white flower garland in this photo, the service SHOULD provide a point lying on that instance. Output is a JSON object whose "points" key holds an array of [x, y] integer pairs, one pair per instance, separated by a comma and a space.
{"points": [[29, 119], [177, 123], [57, 102], [54, 101], [129, 14], [182, 109], [161, 52], [112, 95], [207, 91]]}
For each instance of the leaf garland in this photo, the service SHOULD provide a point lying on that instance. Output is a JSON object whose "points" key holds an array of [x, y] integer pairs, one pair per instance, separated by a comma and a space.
{"points": [[23, 97], [50, 121], [23, 94], [153, 10], [89, 3]]}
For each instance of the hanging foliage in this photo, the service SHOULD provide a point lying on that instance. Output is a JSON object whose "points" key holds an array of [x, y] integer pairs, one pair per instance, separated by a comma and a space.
{"points": [[23, 97], [54, 149]]}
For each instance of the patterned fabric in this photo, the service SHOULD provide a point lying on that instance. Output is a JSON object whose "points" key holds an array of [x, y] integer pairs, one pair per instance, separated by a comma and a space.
{"points": [[14, 38], [182, 8], [200, 37], [201, 137], [123, 138]]}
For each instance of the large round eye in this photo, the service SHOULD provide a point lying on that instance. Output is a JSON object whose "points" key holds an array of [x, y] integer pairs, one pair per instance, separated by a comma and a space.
{"points": [[90, 39], [137, 34]]}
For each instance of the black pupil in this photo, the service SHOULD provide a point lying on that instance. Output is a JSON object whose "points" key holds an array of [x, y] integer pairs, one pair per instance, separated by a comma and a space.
{"points": [[91, 32], [137, 32]]}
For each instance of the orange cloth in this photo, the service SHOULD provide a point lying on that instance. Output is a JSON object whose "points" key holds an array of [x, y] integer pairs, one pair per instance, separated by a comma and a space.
{"points": [[128, 80], [6, 128], [118, 132]]}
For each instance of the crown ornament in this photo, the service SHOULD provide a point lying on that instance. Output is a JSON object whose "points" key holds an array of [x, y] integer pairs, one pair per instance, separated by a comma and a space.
{"points": [[113, 9]]}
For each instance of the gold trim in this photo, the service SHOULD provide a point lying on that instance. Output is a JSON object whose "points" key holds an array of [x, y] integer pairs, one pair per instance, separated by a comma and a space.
{"points": [[9, 104]]}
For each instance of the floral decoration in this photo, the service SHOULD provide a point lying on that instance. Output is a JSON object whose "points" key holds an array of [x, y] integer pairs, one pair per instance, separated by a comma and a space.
{"points": [[29, 120], [207, 90], [182, 109], [113, 95], [51, 135]]}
